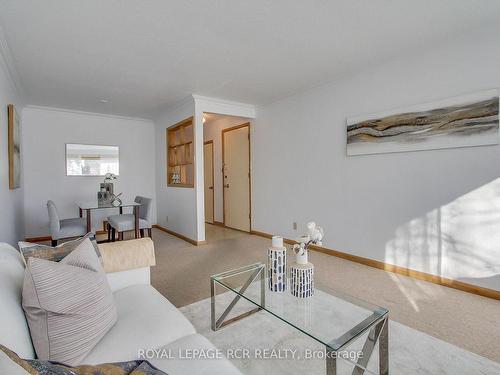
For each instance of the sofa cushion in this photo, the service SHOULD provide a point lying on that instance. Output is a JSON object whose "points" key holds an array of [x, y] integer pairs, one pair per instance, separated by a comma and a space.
{"points": [[146, 319], [124, 279], [14, 331], [69, 305], [193, 366]]}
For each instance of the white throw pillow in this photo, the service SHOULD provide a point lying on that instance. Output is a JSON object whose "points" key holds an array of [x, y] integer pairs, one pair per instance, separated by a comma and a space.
{"points": [[68, 304]]}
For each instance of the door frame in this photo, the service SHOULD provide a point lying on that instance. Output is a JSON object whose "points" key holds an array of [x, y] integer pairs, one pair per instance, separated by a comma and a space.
{"points": [[213, 179], [246, 124]]}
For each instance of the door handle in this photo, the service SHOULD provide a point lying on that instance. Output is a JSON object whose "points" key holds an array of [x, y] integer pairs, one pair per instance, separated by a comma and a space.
{"points": [[226, 185], [211, 187]]}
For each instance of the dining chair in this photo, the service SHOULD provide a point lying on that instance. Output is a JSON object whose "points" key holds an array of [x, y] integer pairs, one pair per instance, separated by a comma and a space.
{"points": [[125, 222], [65, 228]]}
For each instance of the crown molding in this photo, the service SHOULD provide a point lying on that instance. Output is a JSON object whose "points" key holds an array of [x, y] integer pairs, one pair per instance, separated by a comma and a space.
{"points": [[9, 67], [245, 109], [222, 101], [85, 113]]}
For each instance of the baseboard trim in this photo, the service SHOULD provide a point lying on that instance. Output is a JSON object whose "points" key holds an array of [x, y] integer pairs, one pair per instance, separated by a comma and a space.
{"points": [[178, 235], [222, 225], [38, 239], [450, 283], [48, 238]]}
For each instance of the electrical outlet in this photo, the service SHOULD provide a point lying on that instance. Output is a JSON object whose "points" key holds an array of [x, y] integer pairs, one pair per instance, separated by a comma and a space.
{"points": [[294, 225]]}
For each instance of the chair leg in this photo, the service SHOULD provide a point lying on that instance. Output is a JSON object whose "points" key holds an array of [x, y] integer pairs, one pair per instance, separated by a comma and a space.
{"points": [[120, 236], [53, 243], [150, 233], [113, 234], [142, 233], [108, 228]]}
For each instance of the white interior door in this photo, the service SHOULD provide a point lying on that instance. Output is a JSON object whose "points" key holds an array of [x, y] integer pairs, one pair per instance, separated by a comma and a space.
{"points": [[236, 177], [208, 157]]}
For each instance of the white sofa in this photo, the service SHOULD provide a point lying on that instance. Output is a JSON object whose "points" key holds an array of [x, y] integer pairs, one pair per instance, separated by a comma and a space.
{"points": [[146, 320]]}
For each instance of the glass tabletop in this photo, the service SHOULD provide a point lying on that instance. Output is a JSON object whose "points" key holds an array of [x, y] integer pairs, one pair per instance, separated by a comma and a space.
{"points": [[90, 205], [330, 317]]}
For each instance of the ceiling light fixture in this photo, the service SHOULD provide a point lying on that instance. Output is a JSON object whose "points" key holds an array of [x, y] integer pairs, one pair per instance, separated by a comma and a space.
{"points": [[104, 101]]}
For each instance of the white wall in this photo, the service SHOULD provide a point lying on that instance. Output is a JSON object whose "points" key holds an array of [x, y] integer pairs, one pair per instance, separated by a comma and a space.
{"points": [[45, 133], [179, 204], [433, 211], [11, 201], [212, 130]]}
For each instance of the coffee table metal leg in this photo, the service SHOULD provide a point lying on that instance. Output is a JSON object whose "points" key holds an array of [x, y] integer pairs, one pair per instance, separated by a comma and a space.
{"points": [[212, 304], [379, 332], [331, 362], [263, 288], [221, 322], [383, 349]]}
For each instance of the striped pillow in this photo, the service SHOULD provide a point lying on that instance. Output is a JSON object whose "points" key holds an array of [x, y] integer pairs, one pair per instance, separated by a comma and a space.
{"points": [[69, 305]]}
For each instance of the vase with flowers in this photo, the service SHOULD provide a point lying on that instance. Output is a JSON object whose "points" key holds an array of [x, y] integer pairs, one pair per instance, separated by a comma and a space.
{"points": [[301, 273]]}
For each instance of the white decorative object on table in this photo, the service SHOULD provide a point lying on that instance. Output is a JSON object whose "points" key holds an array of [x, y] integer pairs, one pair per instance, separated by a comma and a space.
{"points": [[302, 272], [276, 265]]}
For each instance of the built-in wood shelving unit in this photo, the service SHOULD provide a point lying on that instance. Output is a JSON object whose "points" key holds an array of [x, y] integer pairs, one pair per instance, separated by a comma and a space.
{"points": [[180, 154]]}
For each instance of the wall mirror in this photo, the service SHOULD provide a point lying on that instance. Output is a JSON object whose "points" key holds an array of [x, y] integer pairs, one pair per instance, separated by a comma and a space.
{"points": [[91, 160]]}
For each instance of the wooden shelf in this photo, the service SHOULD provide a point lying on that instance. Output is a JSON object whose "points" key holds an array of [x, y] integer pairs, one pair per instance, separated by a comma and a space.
{"points": [[181, 185], [178, 165], [180, 154], [181, 144]]}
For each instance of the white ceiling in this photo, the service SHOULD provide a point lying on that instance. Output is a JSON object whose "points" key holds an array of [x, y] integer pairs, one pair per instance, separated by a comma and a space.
{"points": [[145, 54]]}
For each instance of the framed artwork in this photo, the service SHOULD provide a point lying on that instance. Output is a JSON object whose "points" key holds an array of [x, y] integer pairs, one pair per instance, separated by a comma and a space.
{"points": [[14, 148], [465, 121]]}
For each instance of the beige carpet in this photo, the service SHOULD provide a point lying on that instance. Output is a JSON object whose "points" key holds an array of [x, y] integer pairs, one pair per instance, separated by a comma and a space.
{"points": [[468, 321]]}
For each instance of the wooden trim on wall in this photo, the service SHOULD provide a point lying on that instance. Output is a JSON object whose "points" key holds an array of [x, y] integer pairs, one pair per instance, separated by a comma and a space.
{"points": [[213, 178], [178, 235], [247, 124], [451, 283], [48, 238], [10, 144], [38, 239]]}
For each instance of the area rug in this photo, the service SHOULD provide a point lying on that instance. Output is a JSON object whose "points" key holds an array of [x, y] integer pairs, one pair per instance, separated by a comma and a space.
{"points": [[263, 344]]}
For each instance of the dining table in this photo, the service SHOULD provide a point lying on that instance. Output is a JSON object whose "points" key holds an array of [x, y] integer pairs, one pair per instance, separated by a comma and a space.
{"points": [[89, 206]]}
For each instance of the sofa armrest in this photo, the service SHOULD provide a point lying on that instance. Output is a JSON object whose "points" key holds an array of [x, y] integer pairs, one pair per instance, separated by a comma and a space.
{"points": [[127, 255], [127, 262]]}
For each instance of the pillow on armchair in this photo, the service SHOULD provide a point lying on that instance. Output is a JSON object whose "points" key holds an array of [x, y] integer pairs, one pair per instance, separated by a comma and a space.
{"points": [[68, 304]]}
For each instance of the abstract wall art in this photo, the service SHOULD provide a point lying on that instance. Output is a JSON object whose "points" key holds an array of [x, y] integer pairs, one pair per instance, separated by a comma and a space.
{"points": [[14, 148], [464, 121]]}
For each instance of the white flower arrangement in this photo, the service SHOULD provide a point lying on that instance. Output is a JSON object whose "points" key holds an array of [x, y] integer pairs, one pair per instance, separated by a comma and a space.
{"points": [[314, 236]]}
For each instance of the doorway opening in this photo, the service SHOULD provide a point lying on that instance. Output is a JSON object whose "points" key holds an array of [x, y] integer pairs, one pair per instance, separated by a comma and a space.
{"points": [[227, 171]]}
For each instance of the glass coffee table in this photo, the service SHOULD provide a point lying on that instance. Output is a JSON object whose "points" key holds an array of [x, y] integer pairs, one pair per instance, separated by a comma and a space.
{"points": [[334, 319]]}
